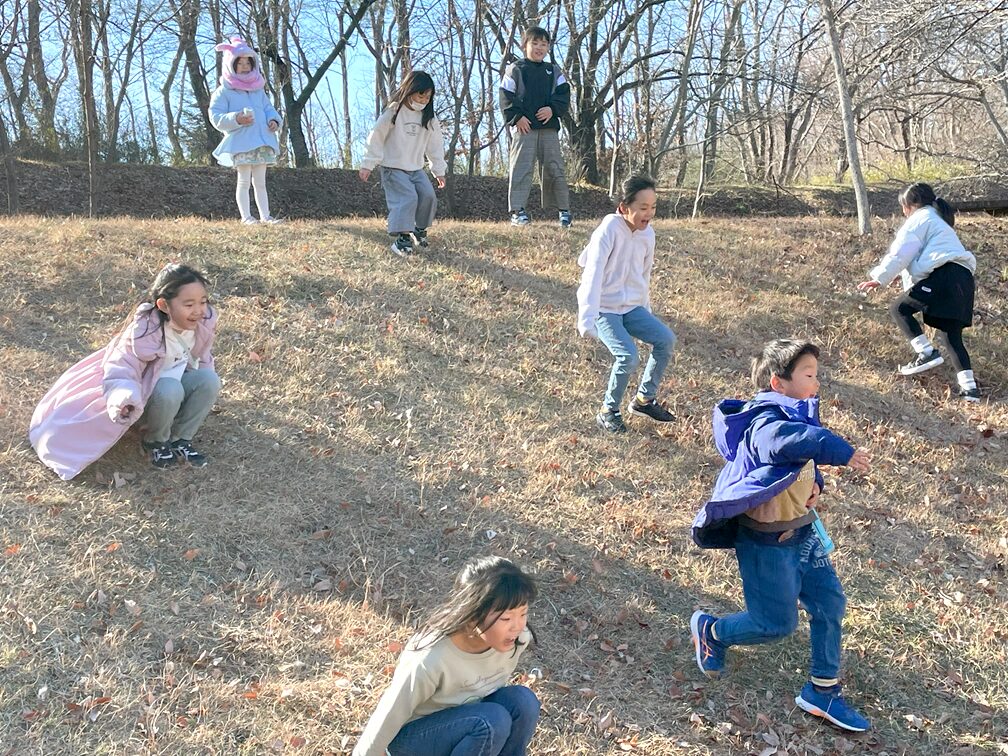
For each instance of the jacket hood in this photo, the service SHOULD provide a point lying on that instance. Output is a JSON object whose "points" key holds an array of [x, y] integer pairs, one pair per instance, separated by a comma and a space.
{"points": [[732, 417], [237, 48]]}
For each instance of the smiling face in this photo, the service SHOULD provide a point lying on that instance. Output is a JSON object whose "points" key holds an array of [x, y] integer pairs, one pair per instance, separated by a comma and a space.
{"points": [[804, 380], [641, 210], [187, 308], [536, 50], [243, 65]]}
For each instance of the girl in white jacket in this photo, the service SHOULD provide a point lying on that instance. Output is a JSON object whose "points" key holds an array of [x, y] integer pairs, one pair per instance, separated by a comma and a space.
{"points": [[405, 133], [614, 303], [937, 274]]}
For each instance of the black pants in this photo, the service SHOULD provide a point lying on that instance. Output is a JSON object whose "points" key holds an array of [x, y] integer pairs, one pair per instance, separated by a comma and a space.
{"points": [[949, 337]]}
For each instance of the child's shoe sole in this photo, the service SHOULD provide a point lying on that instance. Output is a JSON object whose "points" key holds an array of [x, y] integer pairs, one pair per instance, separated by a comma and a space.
{"points": [[815, 711], [917, 369], [694, 626]]}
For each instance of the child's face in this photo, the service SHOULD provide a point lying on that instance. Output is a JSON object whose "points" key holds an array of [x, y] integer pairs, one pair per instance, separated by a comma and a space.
{"points": [[243, 65], [639, 213], [187, 308], [536, 50], [804, 380], [503, 633], [419, 100]]}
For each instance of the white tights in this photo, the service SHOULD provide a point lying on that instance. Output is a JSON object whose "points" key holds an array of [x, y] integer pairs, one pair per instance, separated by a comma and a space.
{"points": [[255, 176]]}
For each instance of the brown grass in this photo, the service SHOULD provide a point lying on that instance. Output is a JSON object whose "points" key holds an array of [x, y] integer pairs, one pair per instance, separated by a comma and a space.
{"points": [[381, 420]]}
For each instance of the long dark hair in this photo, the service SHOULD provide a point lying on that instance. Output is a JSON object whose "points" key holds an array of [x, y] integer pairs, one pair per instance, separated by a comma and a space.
{"points": [[166, 285], [485, 588], [414, 83], [921, 194]]}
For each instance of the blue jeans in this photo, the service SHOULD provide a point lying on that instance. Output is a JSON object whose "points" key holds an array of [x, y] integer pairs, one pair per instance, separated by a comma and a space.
{"points": [[618, 332], [775, 577], [500, 725]]}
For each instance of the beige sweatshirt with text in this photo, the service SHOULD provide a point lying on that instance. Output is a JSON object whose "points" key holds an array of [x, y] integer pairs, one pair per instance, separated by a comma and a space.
{"points": [[429, 678]]}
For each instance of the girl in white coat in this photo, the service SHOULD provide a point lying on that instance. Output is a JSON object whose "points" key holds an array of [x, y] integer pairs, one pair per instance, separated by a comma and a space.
{"points": [[240, 109], [937, 274]]}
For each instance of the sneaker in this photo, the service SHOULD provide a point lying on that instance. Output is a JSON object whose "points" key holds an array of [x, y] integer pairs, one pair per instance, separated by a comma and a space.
{"points": [[565, 218], [420, 235], [829, 704], [403, 245], [520, 218], [161, 455], [185, 453], [610, 421], [969, 395], [710, 654], [249, 222], [923, 362], [271, 221], [650, 409]]}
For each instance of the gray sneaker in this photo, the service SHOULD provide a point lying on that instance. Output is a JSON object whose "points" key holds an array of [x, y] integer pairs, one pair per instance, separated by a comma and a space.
{"points": [[403, 245], [520, 218], [610, 421], [565, 218]]}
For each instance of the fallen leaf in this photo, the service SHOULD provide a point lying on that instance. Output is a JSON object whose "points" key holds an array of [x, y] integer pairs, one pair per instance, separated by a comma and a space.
{"points": [[13, 549], [191, 554], [115, 546]]}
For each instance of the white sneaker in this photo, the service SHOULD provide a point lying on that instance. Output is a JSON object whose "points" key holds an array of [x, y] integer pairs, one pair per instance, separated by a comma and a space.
{"points": [[271, 221], [249, 222]]}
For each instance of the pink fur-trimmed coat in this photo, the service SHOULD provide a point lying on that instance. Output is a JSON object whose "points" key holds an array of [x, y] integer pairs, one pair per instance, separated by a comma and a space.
{"points": [[78, 419]]}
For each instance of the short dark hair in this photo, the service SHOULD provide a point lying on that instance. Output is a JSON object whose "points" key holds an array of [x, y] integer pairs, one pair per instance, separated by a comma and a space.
{"points": [[534, 32], [633, 185], [779, 358]]}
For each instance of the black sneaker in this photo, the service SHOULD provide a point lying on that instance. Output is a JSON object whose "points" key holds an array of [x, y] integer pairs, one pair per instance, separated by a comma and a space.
{"points": [[520, 218], [610, 421], [969, 394], [923, 362], [565, 218], [420, 235], [650, 409], [403, 245], [185, 453], [161, 455]]}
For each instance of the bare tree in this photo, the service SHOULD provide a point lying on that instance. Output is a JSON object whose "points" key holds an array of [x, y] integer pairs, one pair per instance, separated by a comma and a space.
{"points": [[81, 26], [847, 115]]}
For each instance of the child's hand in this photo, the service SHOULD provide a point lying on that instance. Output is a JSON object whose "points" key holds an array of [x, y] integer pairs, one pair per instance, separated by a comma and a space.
{"points": [[273, 126], [544, 113], [244, 120], [440, 182], [868, 285], [524, 125], [814, 498], [860, 461], [364, 174]]}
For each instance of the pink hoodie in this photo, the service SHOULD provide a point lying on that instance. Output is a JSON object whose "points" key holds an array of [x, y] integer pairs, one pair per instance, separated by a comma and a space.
{"points": [[78, 419]]}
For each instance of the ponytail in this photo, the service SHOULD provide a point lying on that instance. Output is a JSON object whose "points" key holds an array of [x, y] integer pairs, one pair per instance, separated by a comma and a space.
{"points": [[921, 194]]}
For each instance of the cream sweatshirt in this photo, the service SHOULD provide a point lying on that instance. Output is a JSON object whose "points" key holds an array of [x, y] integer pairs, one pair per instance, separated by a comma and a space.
{"points": [[404, 144], [617, 271], [435, 677]]}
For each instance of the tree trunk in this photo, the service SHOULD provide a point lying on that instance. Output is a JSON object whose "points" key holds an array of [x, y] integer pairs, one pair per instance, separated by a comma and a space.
{"points": [[10, 168], [83, 43], [188, 13], [847, 114]]}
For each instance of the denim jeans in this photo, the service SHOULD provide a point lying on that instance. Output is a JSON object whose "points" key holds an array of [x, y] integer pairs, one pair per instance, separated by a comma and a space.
{"points": [[618, 332], [500, 725], [775, 577], [177, 408]]}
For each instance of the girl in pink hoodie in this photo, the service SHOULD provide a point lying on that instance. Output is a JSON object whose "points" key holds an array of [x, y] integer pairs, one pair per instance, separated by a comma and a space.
{"points": [[158, 369]]}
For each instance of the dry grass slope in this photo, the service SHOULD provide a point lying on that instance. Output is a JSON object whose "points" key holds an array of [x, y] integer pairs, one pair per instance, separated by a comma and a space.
{"points": [[382, 421]]}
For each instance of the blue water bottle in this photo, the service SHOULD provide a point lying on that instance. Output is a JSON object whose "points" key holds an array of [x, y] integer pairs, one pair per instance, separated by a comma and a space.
{"points": [[820, 530]]}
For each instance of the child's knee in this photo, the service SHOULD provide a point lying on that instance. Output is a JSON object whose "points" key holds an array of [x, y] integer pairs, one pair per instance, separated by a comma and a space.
{"points": [[495, 720], [168, 393], [628, 360], [780, 627], [525, 701], [209, 382]]}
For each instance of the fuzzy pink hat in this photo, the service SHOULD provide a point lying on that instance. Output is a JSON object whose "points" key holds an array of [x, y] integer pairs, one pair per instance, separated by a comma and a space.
{"points": [[233, 50]]}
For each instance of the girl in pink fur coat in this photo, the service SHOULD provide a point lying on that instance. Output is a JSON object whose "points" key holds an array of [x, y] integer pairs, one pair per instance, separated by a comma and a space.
{"points": [[158, 370]]}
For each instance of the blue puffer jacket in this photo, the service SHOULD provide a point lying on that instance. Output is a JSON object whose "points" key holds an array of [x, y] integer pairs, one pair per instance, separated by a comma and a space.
{"points": [[765, 442], [225, 106]]}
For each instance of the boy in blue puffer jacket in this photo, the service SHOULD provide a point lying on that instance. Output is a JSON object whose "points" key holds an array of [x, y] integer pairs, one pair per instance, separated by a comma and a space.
{"points": [[762, 506]]}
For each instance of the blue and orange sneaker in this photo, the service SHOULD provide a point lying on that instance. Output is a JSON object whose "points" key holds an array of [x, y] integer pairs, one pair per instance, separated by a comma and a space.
{"points": [[830, 705], [710, 654]]}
